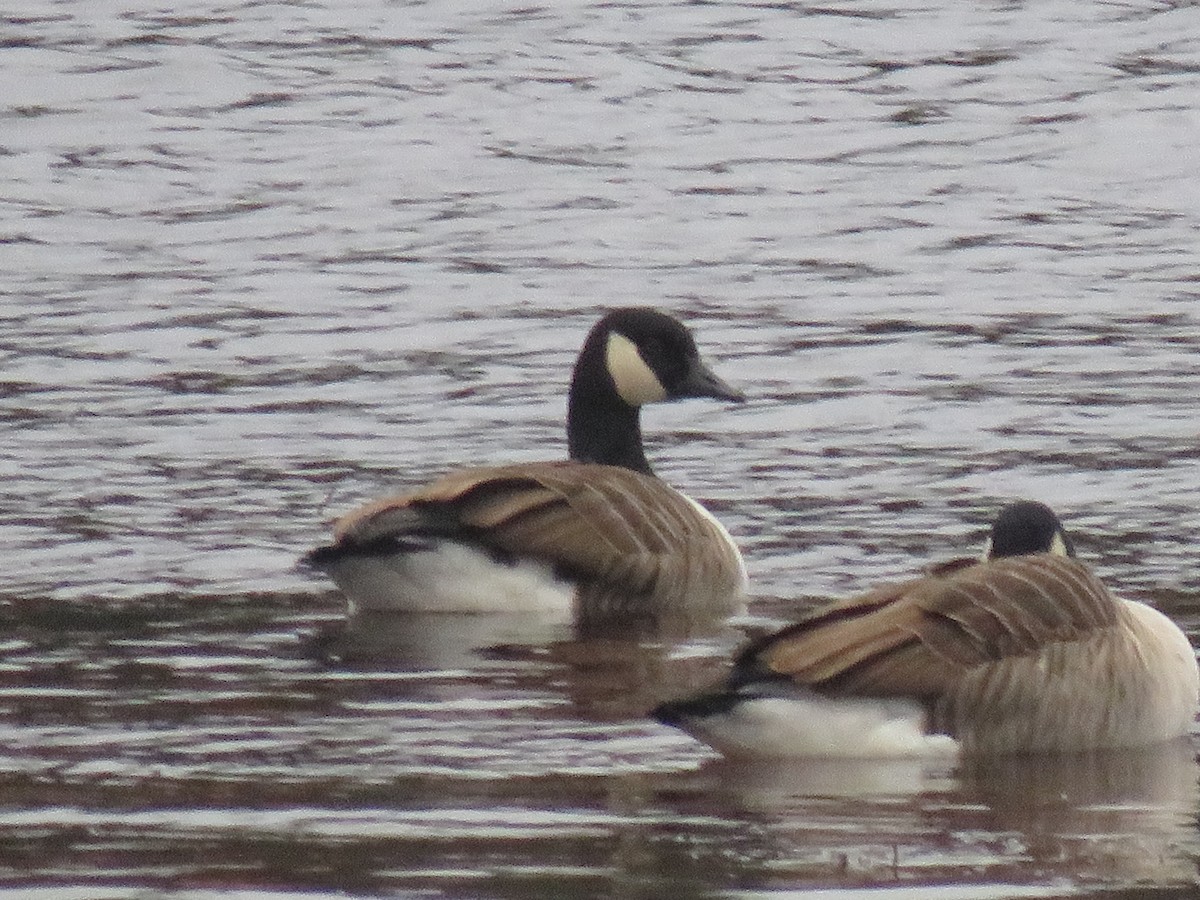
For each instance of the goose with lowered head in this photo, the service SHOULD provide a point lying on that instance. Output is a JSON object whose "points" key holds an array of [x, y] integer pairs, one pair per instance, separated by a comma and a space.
{"points": [[1025, 651]]}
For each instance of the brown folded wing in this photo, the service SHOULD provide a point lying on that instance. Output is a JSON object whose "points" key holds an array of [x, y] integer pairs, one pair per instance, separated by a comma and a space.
{"points": [[625, 532], [918, 638]]}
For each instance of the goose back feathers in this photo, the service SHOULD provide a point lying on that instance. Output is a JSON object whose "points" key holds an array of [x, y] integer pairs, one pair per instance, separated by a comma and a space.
{"points": [[628, 543]]}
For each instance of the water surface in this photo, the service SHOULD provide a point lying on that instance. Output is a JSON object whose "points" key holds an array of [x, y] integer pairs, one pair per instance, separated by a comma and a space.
{"points": [[261, 262]]}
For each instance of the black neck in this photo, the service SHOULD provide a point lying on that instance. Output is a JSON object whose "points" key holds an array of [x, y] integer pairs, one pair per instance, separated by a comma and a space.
{"points": [[603, 428]]}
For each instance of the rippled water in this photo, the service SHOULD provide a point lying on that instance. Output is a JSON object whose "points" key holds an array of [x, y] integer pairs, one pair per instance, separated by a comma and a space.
{"points": [[263, 261]]}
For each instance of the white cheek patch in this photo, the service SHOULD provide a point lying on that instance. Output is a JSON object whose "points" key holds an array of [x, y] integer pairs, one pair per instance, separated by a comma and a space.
{"points": [[1058, 547], [636, 382]]}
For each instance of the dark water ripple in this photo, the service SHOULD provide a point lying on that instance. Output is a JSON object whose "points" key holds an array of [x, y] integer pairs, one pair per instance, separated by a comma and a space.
{"points": [[262, 262]]}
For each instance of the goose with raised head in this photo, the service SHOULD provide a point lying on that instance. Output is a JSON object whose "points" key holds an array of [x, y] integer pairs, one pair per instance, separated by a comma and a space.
{"points": [[597, 535], [1025, 651]]}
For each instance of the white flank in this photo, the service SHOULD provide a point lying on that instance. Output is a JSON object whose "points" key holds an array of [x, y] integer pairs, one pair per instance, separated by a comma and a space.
{"points": [[452, 578], [635, 381]]}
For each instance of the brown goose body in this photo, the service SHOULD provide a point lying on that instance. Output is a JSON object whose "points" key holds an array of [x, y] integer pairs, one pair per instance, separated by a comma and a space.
{"points": [[1014, 655], [605, 539]]}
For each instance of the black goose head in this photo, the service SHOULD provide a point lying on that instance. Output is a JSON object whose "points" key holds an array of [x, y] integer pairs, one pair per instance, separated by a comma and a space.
{"points": [[1027, 527], [632, 357], [647, 356]]}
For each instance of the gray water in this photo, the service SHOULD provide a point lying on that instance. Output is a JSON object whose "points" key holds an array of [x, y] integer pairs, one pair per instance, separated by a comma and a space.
{"points": [[263, 261]]}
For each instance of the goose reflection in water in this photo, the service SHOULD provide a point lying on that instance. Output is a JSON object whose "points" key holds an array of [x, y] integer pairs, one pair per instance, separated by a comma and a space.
{"points": [[1109, 817]]}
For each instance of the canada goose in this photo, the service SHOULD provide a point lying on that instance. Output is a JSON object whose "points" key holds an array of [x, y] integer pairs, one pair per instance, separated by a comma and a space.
{"points": [[1024, 651], [597, 535]]}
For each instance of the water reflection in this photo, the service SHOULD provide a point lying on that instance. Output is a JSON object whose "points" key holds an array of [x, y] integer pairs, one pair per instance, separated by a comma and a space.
{"points": [[1118, 817], [771, 788], [430, 642], [606, 676]]}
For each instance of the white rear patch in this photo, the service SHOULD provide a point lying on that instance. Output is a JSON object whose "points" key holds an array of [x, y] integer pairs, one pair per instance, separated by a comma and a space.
{"points": [[1058, 547], [452, 578], [635, 381], [807, 724]]}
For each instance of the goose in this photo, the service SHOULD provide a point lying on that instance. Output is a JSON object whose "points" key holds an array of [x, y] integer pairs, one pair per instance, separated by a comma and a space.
{"points": [[1024, 651], [597, 537]]}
